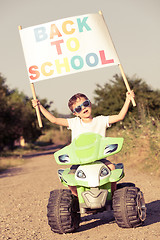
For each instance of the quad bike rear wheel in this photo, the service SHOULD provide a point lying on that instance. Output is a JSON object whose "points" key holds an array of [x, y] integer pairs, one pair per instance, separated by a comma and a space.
{"points": [[63, 208], [129, 207]]}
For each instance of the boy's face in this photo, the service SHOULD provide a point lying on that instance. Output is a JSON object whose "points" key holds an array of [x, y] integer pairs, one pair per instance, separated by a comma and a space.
{"points": [[85, 112]]}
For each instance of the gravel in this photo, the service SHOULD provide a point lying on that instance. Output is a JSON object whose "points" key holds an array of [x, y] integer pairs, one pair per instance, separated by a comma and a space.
{"points": [[24, 193]]}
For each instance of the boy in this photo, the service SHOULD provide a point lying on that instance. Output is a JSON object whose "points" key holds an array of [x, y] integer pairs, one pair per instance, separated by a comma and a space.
{"points": [[80, 106]]}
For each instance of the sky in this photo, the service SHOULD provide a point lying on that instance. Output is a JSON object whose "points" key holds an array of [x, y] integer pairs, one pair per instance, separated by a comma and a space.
{"points": [[134, 26]]}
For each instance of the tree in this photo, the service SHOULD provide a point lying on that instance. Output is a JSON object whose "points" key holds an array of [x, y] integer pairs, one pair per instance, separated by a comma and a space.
{"points": [[23, 119], [17, 117], [110, 98], [4, 111]]}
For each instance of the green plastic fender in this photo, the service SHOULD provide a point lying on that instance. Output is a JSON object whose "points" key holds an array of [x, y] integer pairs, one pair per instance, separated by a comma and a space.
{"points": [[116, 175], [87, 148]]}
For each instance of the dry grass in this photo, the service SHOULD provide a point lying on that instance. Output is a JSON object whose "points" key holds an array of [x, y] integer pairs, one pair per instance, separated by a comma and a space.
{"points": [[141, 148], [55, 136], [8, 162]]}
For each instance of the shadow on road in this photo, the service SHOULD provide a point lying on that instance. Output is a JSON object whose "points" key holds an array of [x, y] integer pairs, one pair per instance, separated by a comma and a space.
{"points": [[45, 151], [92, 221], [10, 172], [153, 213], [95, 220]]}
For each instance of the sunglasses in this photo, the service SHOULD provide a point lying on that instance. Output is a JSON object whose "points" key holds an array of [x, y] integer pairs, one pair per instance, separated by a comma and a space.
{"points": [[78, 109]]}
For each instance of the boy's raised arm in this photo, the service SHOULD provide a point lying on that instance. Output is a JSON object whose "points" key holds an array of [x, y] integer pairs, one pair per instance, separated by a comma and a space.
{"points": [[48, 115], [122, 113]]}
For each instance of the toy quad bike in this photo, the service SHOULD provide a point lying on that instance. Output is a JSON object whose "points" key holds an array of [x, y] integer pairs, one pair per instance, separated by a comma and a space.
{"points": [[93, 181]]}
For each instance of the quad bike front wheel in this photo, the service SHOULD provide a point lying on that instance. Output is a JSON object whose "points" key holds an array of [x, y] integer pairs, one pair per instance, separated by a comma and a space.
{"points": [[63, 211], [129, 207]]}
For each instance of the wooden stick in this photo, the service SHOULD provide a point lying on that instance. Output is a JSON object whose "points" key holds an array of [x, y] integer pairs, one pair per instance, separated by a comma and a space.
{"points": [[37, 107], [34, 97], [126, 83], [120, 66]]}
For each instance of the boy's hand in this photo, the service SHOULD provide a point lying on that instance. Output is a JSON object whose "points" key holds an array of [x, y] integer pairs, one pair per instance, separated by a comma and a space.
{"points": [[35, 102], [130, 95]]}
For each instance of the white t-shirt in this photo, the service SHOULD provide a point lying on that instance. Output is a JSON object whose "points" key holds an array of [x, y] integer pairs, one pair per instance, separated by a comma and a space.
{"points": [[97, 125]]}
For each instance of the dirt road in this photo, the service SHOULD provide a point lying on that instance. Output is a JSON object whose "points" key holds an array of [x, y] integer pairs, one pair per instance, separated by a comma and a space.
{"points": [[24, 193]]}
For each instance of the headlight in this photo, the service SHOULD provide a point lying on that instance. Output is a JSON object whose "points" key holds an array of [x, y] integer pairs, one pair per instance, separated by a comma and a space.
{"points": [[104, 172], [64, 158], [110, 148], [81, 174]]}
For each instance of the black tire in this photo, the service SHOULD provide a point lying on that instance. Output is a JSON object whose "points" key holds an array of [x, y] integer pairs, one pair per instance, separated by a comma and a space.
{"points": [[63, 207], [129, 207], [125, 184]]}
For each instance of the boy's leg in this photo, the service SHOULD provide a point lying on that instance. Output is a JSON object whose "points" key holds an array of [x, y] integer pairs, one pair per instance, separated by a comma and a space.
{"points": [[111, 166], [73, 190]]}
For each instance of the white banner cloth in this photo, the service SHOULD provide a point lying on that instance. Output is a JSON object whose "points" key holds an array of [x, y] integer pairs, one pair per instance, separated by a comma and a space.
{"points": [[67, 46]]}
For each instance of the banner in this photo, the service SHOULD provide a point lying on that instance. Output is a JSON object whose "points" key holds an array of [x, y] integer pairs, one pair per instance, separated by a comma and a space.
{"points": [[67, 46]]}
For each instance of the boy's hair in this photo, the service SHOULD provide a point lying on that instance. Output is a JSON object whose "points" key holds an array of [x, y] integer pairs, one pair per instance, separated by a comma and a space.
{"points": [[74, 98]]}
